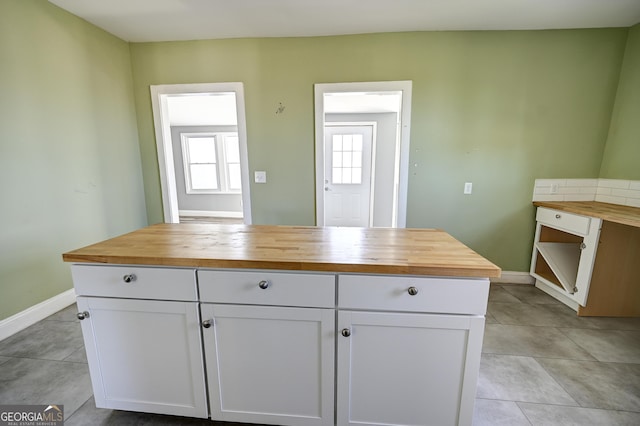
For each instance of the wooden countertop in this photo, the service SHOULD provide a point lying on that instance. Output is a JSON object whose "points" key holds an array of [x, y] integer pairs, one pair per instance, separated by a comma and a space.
{"points": [[611, 212], [335, 249]]}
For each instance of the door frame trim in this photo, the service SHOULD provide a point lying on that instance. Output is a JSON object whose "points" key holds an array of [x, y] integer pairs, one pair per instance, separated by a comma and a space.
{"points": [[159, 94], [404, 136]]}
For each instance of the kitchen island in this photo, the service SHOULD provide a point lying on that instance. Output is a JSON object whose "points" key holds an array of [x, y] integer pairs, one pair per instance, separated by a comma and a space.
{"points": [[284, 325]]}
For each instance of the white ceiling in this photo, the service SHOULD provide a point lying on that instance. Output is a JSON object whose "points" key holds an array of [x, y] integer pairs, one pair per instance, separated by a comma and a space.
{"points": [[163, 20]]}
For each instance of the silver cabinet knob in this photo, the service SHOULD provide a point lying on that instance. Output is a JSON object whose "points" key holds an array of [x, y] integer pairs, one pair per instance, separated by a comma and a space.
{"points": [[264, 284], [558, 216], [82, 315], [346, 332], [412, 291], [129, 278], [207, 323]]}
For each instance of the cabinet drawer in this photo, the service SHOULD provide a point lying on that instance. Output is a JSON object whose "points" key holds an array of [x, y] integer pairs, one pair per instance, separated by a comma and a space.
{"points": [[562, 220], [407, 294], [134, 282], [267, 288]]}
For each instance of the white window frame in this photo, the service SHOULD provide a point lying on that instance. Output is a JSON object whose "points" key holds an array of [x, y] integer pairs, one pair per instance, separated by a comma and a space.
{"points": [[222, 169]]}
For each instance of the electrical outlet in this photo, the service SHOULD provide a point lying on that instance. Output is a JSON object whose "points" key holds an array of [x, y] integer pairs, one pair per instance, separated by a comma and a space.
{"points": [[468, 187], [553, 189]]}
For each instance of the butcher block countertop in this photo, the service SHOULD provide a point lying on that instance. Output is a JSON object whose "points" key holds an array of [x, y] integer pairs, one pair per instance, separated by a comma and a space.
{"points": [[303, 248], [625, 215]]}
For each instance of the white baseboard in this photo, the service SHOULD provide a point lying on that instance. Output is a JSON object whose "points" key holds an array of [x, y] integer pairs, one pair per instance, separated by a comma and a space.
{"points": [[210, 213], [21, 320], [513, 277]]}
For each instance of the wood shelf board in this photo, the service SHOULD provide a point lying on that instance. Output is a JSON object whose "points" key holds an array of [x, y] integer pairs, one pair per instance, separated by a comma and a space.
{"points": [[625, 215], [563, 259], [332, 249]]}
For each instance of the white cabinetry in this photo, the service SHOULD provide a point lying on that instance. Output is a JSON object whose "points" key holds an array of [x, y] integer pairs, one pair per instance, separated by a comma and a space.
{"points": [[564, 254], [269, 364], [408, 348], [144, 355], [416, 366]]}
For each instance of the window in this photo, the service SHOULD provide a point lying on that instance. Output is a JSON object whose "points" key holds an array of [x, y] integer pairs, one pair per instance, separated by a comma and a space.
{"points": [[232, 157], [347, 159], [211, 163]]}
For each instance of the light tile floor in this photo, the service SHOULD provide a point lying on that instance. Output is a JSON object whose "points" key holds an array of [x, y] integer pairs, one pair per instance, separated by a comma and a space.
{"points": [[541, 365]]}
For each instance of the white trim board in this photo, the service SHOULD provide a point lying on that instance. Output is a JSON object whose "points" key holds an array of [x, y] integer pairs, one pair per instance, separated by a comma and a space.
{"points": [[21, 320], [210, 213], [513, 277]]}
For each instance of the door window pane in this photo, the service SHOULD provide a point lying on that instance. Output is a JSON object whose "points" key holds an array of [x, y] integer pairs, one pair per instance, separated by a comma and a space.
{"points": [[347, 159]]}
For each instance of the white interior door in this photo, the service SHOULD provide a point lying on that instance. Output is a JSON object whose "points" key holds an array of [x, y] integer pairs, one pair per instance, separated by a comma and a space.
{"points": [[348, 152]]}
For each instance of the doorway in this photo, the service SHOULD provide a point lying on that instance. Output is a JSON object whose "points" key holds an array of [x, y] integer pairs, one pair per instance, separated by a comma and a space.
{"points": [[388, 106], [202, 152]]}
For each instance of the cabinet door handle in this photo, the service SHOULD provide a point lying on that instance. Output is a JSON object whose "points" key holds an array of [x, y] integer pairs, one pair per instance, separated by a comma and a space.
{"points": [[82, 315], [207, 323], [129, 278], [264, 284], [346, 332], [412, 291], [558, 216]]}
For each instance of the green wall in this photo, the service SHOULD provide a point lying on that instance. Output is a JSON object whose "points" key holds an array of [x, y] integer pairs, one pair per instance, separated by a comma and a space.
{"points": [[622, 154], [69, 157], [498, 109]]}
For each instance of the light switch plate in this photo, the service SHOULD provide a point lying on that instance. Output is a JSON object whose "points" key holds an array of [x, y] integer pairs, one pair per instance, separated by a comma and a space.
{"points": [[468, 187], [260, 177]]}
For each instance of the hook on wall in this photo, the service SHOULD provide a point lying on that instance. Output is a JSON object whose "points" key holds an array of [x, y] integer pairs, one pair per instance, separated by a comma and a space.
{"points": [[280, 109]]}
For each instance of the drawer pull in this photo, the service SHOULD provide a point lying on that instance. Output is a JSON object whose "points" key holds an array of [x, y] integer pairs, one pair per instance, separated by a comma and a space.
{"points": [[129, 278], [82, 315], [346, 332], [558, 216], [263, 284], [207, 323], [412, 291]]}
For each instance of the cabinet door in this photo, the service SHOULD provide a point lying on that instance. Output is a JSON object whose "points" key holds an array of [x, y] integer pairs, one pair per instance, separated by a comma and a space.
{"points": [[564, 254], [407, 369], [270, 365], [145, 355]]}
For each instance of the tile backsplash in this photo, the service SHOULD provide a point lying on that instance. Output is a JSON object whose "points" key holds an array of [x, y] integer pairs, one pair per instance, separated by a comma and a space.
{"points": [[613, 191]]}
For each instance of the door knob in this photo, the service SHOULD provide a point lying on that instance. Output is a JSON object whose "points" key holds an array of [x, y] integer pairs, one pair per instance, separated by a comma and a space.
{"points": [[207, 323], [264, 284], [346, 332], [412, 291], [82, 315]]}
